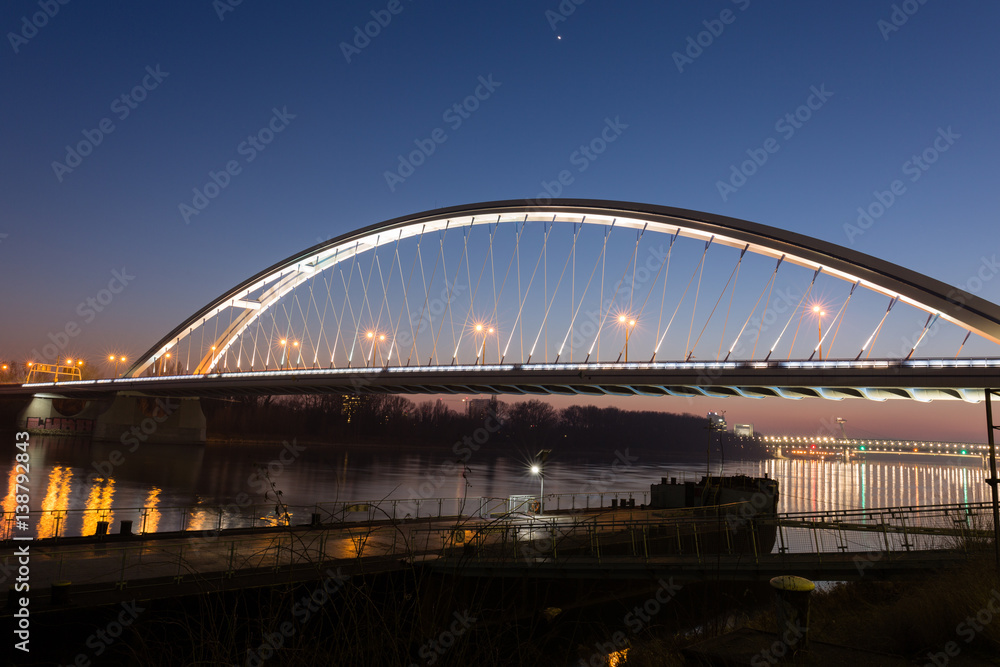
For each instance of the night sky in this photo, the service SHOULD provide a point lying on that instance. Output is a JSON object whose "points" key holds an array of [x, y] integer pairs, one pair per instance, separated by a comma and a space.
{"points": [[116, 116]]}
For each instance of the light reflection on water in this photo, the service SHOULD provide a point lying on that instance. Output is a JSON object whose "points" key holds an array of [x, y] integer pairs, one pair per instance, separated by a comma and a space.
{"points": [[185, 484]]}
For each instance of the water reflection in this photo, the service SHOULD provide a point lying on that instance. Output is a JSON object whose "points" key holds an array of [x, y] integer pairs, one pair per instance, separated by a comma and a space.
{"points": [[98, 505], [809, 486], [203, 487], [151, 517], [53, 520], [9, 502]]}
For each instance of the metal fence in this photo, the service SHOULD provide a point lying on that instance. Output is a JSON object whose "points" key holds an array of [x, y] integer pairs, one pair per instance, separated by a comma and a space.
{"points": [[55, 523], [621, 538]]}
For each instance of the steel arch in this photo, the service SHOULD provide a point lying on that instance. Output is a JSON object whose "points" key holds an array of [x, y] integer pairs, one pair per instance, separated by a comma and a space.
{"points": [[927, 294]]}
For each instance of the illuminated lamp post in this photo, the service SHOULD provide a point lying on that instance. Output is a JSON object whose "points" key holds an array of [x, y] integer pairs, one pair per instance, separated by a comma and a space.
{"points": [[375, 338], [538, 468], [629, 324], [484, 331], [819, 327]]}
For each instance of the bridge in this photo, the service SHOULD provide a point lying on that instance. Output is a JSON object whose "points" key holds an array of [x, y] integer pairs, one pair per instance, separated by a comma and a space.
{"points": [[847, 449], [571, 297], [582, 285]]}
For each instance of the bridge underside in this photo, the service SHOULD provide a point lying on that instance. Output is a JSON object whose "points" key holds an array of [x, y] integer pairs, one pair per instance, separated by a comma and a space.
{"points": [[874, 380]]}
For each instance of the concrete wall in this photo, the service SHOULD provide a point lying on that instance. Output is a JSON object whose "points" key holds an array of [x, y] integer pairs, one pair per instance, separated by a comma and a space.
{"points": [[133, 418]]}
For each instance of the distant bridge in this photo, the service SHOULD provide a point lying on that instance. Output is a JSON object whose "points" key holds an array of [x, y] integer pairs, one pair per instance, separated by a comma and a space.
{"points": [[824, 447]]}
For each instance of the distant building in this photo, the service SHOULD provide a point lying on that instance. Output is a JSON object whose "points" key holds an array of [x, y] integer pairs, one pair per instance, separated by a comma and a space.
{"points": [[481, 408], [716, 421], [745, 430], [349, 406]]}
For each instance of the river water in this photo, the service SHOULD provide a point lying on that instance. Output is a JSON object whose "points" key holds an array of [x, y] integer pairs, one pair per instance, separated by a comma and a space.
{"points": [[75, 483]]}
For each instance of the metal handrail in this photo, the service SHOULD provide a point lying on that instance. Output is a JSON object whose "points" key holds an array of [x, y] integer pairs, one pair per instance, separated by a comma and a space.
{"points": [[260, 515]]}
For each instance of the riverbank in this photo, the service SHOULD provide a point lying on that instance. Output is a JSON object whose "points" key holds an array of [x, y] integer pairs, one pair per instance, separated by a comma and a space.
{"points": [[951, 617]]}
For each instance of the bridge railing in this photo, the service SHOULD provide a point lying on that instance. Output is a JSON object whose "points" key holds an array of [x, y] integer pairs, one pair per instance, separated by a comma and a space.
{"points": [[55, 523], [694, 539], [862, 536]]}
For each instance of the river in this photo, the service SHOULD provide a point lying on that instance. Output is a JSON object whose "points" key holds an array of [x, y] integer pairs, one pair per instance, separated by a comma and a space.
{"points": [[75, 483]]}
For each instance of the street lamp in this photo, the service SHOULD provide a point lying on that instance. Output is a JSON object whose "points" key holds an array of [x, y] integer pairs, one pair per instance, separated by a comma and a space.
{"points": [[375, 337], [286, 354], [537, 468], [482, 329], [629, 324], [117, 360], [819, 327]]}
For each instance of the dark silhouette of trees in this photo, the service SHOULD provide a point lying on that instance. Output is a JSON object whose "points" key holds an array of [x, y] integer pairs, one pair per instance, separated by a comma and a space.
{"points": [[530, 425]]}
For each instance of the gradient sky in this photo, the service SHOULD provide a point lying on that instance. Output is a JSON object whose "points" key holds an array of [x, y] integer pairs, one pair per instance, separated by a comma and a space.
{"points": [[890, 89]]}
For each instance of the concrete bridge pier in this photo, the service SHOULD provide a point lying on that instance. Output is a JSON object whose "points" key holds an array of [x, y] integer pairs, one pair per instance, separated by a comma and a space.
{"points": [[58, 415], [134, 419]]}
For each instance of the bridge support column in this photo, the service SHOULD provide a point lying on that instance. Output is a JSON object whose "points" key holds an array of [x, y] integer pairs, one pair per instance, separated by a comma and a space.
{"points": [[133, 419], [57, 415], [993, 481]]}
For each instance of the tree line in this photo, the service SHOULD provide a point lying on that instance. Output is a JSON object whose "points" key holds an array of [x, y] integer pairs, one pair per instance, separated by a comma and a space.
{"points": [[531, 425]]}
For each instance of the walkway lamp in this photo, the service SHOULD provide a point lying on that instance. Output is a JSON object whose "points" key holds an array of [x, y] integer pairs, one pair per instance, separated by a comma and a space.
{"points": [[116, 360], [538, 468], [484, 331], [287, 349], [375, 337], [819, 312], [629, 324]]}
